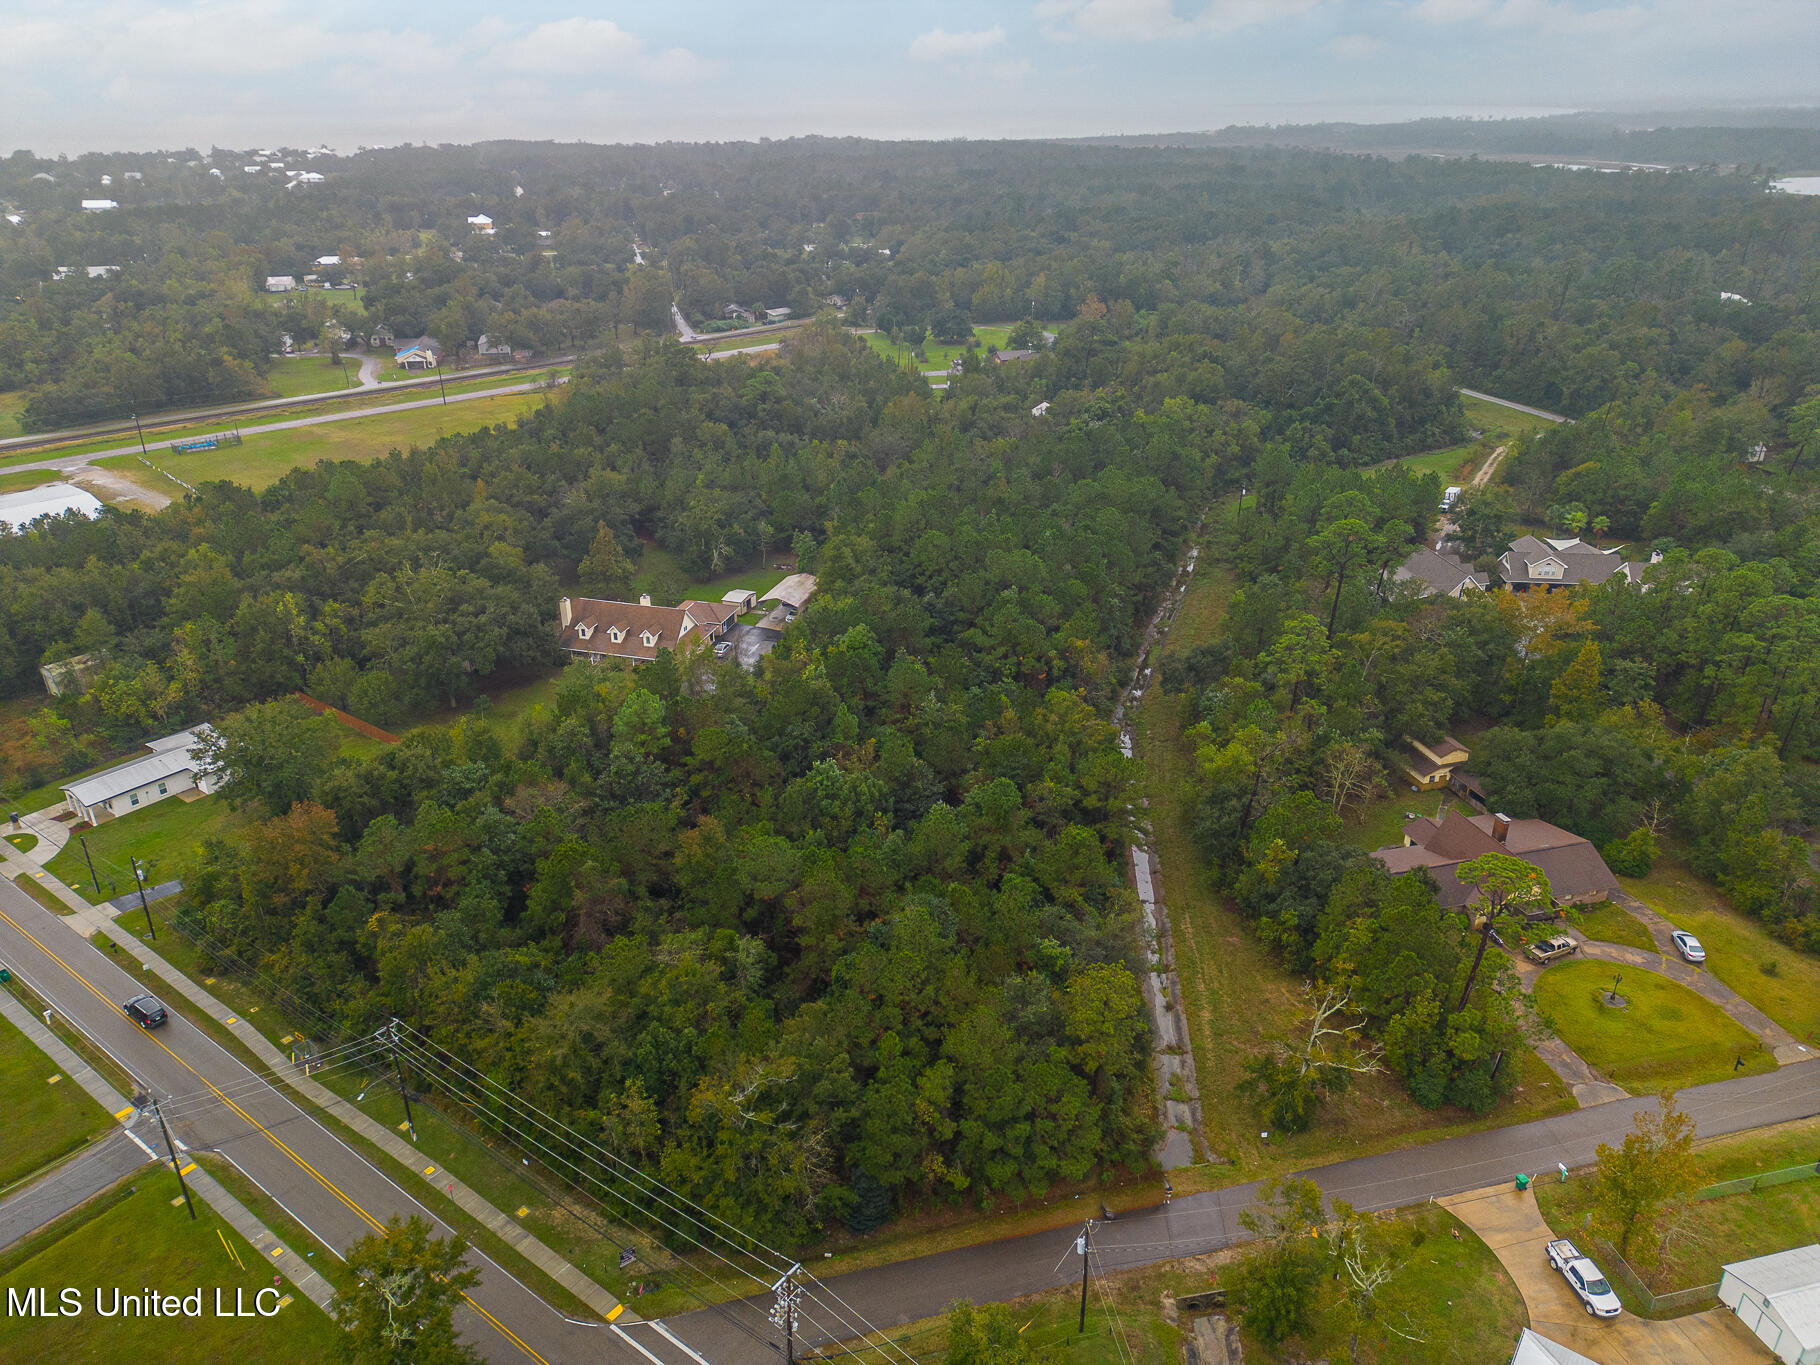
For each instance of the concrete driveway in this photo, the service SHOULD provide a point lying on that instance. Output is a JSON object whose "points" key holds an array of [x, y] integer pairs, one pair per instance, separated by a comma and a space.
{"points": [[1510, 1224]]}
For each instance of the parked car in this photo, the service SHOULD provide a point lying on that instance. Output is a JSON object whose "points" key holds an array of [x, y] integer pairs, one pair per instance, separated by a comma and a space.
{"points": [[1548, 949], [724, 648], [1688, 946], [145, 1011], [1583, 1277]]}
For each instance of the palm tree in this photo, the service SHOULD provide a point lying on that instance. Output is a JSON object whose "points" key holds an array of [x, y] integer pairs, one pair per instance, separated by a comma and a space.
{"points": [[1600, 526]]}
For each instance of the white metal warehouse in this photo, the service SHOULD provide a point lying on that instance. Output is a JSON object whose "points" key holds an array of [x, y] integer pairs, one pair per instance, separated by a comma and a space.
{"points": [[1778, 1298]]}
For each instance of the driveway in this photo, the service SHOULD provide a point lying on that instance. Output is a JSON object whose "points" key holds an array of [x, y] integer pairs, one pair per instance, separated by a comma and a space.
{"points": [[1512, 1226]]}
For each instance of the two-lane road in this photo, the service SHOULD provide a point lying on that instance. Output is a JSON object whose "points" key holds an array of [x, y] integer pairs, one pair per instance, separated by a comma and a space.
{"points": [[219, 1105]]}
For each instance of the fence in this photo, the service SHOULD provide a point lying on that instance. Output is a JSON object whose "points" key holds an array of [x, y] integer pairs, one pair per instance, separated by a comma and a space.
{"points": [[354, 723], [1750, 1184], [1680, 1299]]}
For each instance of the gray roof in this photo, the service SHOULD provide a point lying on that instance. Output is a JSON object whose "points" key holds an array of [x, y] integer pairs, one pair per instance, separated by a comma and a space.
{"points": [[171, 755], [794, 590], [1580, 562], [1534, 1349], [1790, 1280], [1440, 573]]}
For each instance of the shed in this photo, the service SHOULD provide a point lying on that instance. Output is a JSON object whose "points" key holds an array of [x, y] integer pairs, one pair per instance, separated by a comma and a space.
{"points": [[280, 284], [1778, 1298], [1535, 1349], [793, 591], [744, 599]]}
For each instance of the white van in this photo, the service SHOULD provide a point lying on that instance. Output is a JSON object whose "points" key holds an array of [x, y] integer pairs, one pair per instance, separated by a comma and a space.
{"points": [[1449, 497]]}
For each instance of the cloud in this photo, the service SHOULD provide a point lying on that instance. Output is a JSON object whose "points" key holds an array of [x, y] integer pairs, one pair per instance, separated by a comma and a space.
{"points": [[1355, 46], [1011, 70], [1150, 20], [573, 47], [939, 45], [1555, 17]]}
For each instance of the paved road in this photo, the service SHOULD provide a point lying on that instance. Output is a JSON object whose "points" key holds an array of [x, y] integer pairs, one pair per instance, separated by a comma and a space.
{"points": [[1543, 413], [77, 1180], [73, 463], [217, 1104], [903, 1292]]}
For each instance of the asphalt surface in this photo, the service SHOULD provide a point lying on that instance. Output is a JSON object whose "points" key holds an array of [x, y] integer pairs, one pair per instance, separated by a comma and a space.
{"points": [[905, 1291], [77, 1180], [1520, 407], [217, 1104]]}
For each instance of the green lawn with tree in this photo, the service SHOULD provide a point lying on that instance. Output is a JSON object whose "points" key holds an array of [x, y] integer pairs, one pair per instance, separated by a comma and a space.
{"points": [[162, 836], [143, 1240], [295, 375], [45, 1119], [1666, 1038], [1605, 922], [1776, 977]]}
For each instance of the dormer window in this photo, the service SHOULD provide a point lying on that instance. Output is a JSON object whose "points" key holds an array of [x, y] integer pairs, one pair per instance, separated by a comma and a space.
{"points": [[649, 638], [616, 633], [584, 632]]}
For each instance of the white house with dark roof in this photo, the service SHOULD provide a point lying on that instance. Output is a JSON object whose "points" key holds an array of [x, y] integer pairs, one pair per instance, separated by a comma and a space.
{"points": [[596, 629], [173, 766]]}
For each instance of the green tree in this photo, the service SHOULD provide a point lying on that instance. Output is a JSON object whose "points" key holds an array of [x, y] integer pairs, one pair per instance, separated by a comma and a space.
{"points": [[404, 1287], [1575, 694], [273, 754], [1639, 1186], [1287, 1081], [605, 571], [986, 1335], [1505, 887], [1276, 1282]]}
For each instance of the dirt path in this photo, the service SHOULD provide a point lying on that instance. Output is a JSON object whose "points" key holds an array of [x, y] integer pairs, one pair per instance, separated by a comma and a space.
{"points": [[112, 486], [1483, 477]]}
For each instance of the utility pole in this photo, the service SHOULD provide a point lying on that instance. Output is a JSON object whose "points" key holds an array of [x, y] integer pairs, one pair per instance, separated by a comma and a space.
{"points": [[1084, 1245], [91, 864], [140, 430], [783, 1310], [171, 1149], [391, 1035], [144, 905], [439, 384]]}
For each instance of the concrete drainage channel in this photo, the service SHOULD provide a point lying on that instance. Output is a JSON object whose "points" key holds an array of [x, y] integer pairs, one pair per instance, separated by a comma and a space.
{"points": [[1173, 1055]]}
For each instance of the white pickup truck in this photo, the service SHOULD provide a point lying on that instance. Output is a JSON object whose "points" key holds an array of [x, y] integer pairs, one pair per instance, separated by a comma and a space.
{"points": [[1584, 1279]]}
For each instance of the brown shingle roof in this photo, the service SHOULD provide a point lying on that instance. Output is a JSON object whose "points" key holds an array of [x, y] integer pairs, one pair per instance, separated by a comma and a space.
{"points": [[593, 621], [1572, 865]]}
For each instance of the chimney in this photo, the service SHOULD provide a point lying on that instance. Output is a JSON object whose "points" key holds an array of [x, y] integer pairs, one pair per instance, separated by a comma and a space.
{"points": [[644, 599], [1500, 827], [565, 611]]}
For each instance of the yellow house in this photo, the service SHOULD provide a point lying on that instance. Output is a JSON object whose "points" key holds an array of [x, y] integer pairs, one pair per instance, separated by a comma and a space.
{"points": [[1430, 765]]}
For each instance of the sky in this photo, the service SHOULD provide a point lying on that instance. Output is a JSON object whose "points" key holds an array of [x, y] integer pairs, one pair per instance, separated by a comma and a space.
{"points": [[123, 75]]}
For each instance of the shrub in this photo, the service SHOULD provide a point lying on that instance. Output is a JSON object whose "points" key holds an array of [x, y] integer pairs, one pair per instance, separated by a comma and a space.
{"points": [[1633, 855]]}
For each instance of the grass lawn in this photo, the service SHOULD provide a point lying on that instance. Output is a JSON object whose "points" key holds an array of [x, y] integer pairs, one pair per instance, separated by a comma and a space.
{"points": [[300, 374], [45, 1119], [1498, 422], [1734, 1227], [741, 340], [20, 480], [1737, 948], [162, 836], [1378, 823], [661, 574], [1454, 1296], [11, 405], [1667, 1039], [265, 458], [1608, 923], [37, 891], [936, 355], [142, 1240], [508, 705], [1454, 464], [25, 843]]}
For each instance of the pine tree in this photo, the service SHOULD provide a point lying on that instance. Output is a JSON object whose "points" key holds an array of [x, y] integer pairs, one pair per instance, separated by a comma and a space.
{"points": [[605, 571]]}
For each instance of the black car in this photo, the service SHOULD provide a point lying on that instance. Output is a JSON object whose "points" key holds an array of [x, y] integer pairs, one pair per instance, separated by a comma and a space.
{"points": [[145, 1011]]}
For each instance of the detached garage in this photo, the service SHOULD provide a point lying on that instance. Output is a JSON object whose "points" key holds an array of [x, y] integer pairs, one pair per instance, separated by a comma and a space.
{"points": [[1778, 1298]]}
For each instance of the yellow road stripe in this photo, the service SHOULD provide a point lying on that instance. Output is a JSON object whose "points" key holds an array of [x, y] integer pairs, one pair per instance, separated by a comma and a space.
{"points": [[271, 1137], [124, 1112]]}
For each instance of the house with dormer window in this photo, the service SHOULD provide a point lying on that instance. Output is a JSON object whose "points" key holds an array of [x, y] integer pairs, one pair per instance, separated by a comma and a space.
{"points": [[596, 629], [1545, 565]]}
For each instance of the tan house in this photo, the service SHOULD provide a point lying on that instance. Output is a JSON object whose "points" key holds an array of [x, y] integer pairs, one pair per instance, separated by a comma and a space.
{"points": [[1429, 766], [595, 629]]}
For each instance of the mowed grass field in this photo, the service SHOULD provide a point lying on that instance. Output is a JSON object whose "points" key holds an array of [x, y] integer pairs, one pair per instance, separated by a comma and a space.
{"points": [[1781, 981], [162, 836], [294, 375], [1667, 1038], [264, 458], [45, 1119], [11, 405], [1499, 423], [138, 1240], [937, 355], [1608, 923]]}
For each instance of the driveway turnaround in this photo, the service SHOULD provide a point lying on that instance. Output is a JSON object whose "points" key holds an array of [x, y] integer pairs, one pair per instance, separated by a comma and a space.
{"points": [[1512, 1226]]}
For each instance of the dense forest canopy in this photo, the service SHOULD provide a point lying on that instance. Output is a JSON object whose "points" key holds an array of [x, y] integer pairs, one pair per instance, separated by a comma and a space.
{"points": [[856, 923]]}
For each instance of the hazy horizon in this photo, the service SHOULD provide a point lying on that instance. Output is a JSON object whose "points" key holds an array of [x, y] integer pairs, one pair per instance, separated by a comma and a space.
{"points": [[102, 75]]}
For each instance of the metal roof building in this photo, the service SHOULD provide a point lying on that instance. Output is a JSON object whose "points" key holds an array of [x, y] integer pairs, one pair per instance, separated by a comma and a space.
{"points": [[1778, 1298], [171, 768]]}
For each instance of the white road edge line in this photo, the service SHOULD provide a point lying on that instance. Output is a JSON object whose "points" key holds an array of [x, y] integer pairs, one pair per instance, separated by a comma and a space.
{"points": [[681, 1345], [619, 1332]]}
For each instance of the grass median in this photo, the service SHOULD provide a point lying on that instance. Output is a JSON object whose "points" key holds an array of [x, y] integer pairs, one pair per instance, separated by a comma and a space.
{"points": [[48, 1115]]}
